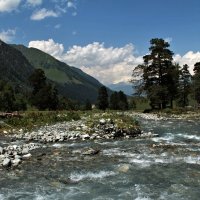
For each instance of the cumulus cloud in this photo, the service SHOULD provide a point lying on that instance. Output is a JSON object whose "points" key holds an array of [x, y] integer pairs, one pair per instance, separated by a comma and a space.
{"points": [[49, 46], [7, 36], [190, 58], [9, 5], [107, 64], [34, 2], [43, 13]]}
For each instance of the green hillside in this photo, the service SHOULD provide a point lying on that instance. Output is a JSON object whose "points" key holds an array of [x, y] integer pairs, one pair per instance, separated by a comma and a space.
{"points": [[70, 81], [15, 68]]}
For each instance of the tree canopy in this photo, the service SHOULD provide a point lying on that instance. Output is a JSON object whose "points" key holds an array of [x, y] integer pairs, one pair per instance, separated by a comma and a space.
{"points": [[160, 75], [102, 100]]}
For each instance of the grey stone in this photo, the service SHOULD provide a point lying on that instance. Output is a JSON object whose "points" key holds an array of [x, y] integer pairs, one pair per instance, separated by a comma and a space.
{"points": [[1, 150], [6, 162], [2, 157], [27, 156], [25, 151], [90, 152], [16, 162], [102, 121]]}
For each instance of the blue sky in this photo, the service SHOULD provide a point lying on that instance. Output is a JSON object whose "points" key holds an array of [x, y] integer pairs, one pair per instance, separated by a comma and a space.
{"points": [[105, 38]]}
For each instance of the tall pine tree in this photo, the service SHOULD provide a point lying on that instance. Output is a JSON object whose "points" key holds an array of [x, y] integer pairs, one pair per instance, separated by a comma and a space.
{"points": [[184, 87], [160, 76], [196, 82], [102, 100]]}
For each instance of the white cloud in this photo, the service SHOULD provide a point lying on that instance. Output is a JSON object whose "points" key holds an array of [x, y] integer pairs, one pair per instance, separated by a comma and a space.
{"points": [[43, 13], [50, 47], [34, 2], [107, 64], [7, 36], [190, 58], [9, 5]]}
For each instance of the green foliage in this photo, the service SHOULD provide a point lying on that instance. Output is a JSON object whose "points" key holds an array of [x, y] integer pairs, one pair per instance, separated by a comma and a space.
{"points": [[118, 101], [88, 105], [32, 120], [132, 103], [37, 80], [196, 82], [160, 76], [14, 67], [44, 95], [102, 101], [20, 103], [7, 97], [184, 88], [68, 104], [120, 119], [114, 101]]}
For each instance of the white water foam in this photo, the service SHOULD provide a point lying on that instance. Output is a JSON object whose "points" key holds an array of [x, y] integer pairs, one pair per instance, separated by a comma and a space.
{"points": [[141, 194], [91, 175], [117, 152], [192, 160], [191, 137], [141, 162], [168, 138]]}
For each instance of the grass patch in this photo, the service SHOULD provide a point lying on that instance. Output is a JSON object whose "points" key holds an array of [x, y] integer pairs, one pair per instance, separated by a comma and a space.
{"points": [[121, 120], [30, 120]]}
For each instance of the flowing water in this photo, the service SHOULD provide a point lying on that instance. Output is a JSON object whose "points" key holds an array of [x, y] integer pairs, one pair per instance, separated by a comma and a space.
{"points": [[166, 167]]}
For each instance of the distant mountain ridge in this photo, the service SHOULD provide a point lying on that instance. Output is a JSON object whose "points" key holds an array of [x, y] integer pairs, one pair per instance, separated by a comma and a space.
{"points": [[127, 88], [17, 63]]}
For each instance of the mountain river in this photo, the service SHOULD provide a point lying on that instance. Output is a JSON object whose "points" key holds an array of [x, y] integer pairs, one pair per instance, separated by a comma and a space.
{"points": [[164, 167]]}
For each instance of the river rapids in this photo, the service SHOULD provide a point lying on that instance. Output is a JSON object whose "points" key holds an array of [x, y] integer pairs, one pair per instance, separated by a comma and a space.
{"points": [[164, 167]]}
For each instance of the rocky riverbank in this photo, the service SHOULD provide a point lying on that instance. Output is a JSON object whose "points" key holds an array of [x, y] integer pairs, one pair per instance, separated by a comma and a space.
{"points": [[13, 155], [84, 129]]}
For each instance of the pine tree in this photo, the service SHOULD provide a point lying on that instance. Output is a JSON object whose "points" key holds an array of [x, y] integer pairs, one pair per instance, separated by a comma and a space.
{"points": [[88, 105], [184, 86], [114, 101], [159, 79], [44, 95], [102, 100], [196, 82], [123, 102], [7, 97]]}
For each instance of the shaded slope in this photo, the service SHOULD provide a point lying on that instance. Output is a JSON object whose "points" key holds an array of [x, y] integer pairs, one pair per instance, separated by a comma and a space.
{"points": [[14, 67], [70, 81]]}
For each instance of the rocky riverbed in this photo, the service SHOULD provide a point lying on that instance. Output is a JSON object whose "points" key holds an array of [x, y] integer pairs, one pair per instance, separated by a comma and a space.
{"points": [[164, 167], [101, 129]]}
